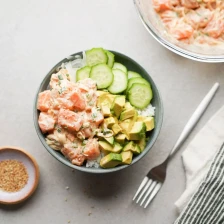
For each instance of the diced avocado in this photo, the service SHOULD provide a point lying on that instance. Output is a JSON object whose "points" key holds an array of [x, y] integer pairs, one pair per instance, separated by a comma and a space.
{"points": [[129, 147], [111, 97], [117, 147], [120, 138], [118, 105], [111, 160], [110, 121], [127, 113], [127, 105], [105, 109], [138, 131], [141, 143], [149, 122], [100, 93], [116, 129], [126, 157], [103, 100], [140, 118], [109, 139], [124, 125], [107, 148], [137, 150]]}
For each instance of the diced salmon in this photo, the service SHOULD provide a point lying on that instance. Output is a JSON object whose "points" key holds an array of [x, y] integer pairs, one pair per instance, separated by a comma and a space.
{"points": [[96, 116], [215, 27], [162, 5], [59, 77], [78, 100], [70, 120], [46, 122], [190, 4], [168, 16], [181, 30], [44, 101], [199, 17], [91, 84], [65, 103], [91, 149], [74, 154]]}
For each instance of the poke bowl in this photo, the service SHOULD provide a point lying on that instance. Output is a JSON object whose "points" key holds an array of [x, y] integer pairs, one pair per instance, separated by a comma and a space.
{"points": [[193, 29], [98, 111]]}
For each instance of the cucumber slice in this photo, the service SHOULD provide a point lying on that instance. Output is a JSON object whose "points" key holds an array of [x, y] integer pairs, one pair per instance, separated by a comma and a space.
{"points": [[96, 56], [83, 73], [110, 56], [119, 83], [132, 74], [136, 80], [140, 95], [120, 66], [102, 74]]}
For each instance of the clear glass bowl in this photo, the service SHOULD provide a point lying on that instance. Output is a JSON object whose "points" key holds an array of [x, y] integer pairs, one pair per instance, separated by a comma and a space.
{"points": [[152, 23]]}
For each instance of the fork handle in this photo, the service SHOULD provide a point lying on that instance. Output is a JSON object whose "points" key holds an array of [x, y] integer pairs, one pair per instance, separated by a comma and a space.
{"points": [[194, 118]]}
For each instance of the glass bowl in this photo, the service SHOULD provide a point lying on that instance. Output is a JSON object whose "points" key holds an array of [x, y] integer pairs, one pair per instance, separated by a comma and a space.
{"points": [[152, 23]]}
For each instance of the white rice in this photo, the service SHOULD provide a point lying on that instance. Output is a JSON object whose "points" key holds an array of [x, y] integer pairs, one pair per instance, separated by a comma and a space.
{"points": [[95, 163], [148, 111]]}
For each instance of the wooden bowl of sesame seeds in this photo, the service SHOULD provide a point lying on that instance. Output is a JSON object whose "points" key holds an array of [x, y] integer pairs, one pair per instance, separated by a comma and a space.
{"points": [[19, 175]]}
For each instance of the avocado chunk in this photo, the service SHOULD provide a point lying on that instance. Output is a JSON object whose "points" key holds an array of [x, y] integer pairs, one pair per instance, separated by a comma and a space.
{"points": [[110, 121], [138, 131], [120, 138], [109, 139], [107, 147], [149, 122], [141, 143], [118, 105], [111, 160], [127, 157], [105, 109], [116, 129], [128, 113], [129, 147], [127, 106], [140, 118]]}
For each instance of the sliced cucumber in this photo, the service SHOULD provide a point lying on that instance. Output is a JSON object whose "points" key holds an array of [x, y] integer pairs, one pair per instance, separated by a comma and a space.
{"points": [[96, 56], [120, 66], [136, 80], [140, 95], [102, 74], [110, 56], [119, 83], [132, 74], [83, 73]]}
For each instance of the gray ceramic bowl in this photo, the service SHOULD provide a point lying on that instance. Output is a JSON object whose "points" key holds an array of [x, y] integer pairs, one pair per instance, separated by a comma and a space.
{"points": [[157, 102]]}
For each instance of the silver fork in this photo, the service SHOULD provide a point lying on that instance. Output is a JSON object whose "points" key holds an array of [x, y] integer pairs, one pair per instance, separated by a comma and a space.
{"points": [[155, 178]]}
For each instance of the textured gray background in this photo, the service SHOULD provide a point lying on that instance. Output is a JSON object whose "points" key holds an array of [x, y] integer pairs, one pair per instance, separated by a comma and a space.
{"points": [[35, 35]]}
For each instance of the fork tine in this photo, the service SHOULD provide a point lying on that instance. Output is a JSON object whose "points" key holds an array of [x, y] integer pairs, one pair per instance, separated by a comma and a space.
{"points": [[155, 191], [141, 186], [149, 191], [144, 190]]}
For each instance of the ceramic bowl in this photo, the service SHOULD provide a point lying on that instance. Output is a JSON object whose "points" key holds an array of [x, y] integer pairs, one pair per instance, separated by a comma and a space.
{"points": [[15, 153], [156, 102]]}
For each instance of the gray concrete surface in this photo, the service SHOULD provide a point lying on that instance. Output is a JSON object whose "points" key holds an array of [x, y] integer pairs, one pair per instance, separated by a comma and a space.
{"points": [[35, 35]]}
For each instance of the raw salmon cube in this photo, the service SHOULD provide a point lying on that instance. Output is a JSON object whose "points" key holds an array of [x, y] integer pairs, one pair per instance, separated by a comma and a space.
{"points": [[44, 101], [70, 120], [46, 122], [190, 4], [74, 154], [91, 149], [162, 5], [78, 100]]}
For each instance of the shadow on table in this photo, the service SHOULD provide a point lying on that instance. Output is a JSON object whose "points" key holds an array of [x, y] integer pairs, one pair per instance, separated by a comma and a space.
{"points": [[103, 185]]}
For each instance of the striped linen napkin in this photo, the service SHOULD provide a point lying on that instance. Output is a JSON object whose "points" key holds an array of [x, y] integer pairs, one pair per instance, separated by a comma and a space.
{"points": [[203, 200], [207, 204]]}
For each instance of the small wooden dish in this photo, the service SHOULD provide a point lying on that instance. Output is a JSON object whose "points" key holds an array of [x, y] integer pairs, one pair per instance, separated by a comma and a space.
{"points": [[15, 153]]}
